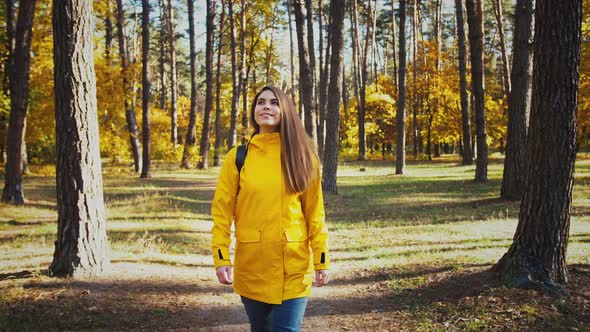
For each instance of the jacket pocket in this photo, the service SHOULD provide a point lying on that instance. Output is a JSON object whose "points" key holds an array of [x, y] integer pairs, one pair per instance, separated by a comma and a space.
{"points": [[248, 251], [297, 252]]}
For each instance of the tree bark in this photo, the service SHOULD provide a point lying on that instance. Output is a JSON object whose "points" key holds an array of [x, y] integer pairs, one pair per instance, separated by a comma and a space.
{"points": [[146, 88], [81, 248], [537, 257], [128, 89], [291, 49], [235, 100], [465, 119], [519, 102], [475, 21], [497, 6], [205, 139], [243, 86], [311, 48], [363, 86], [305, 74], [393, 40], [191, 130], [162, 54], [20, 60], [400, 151], [218, 138], [108, 23], [173, 76], [335, 93]]}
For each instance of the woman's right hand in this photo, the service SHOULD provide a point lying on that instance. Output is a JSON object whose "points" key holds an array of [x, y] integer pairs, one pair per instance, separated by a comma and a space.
{"points": [[224, 274]]}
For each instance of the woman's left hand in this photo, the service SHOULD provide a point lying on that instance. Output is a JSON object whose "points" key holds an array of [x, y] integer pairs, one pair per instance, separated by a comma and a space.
{"points": [[321, 277]]}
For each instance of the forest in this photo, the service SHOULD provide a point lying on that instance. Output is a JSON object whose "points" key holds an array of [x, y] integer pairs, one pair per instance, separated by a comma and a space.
{"points": [[453, 138]]}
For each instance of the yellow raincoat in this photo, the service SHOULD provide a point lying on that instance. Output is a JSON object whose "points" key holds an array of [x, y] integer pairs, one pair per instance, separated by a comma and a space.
{"points": [[274, 229]]}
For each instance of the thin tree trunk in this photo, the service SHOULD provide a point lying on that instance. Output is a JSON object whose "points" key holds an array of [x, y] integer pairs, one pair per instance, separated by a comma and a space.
{"points": [[243, 90], [519, 102], [466, 122], [335, 92], [311, 48], [18, 83], [537, 256], [128, 89], [146, 89], [218, 138], [305, 74], [475, 21], [414, 83], [108, 24], [355, 55], [497, 5], [363, 86], [400, 151], [235, 100], [292, 50], [205, 139], [323, 86], [173, 83], [191, 130], [393, 40], [162, 54], [81, 248]]}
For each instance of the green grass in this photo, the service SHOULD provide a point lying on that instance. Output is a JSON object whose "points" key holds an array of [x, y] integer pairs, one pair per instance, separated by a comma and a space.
{"points": [[433, 219]]}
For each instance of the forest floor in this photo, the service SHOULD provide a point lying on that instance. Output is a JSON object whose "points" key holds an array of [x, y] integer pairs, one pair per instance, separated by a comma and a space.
{"points": [[409, 252]]}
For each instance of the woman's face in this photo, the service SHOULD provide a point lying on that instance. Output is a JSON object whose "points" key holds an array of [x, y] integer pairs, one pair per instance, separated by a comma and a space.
{"points": [[267, 112]]}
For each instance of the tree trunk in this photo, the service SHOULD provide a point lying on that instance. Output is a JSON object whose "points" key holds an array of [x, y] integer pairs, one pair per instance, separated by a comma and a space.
{"points": [[305, 74], [243, 86], [537, 257], [146, 89], [205, 139], [323, 83], [81, 248], [108, 24], [400, 151], [162, 54], [311, 48], [10, 32], [363, 86], [218, 138], [335, 92], [497, 4], [173, 84], [519, 102], [475, 21], [415, 82], [235, 100], [18, 83], [291, 49], [191, 130], [355, 55], [467, 144], [128, 89], [393, 40]]}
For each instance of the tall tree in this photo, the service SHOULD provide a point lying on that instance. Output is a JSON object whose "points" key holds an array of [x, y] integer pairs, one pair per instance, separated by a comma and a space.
{"points": [[305, 74], [205, 139], [497, 6], [146, 89], [513, 179], [335, 93], [173, 76], [291, 48], [108, 23], [323, 80], [311, 46], [400, 151], [363, 85], [128, 90], [475, 21], [235, 95], [81, 248], [191, 130], [243, 86], [394, 47], [20, 60], [162, 53], [218, 138], [465, 119], [537, 257]]}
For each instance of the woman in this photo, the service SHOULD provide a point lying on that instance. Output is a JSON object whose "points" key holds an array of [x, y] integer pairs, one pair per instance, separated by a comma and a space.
{"points": [[277, 205]]}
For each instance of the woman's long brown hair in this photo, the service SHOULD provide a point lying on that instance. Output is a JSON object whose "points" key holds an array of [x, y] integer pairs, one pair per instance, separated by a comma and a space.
{"points": [[299, 157]]}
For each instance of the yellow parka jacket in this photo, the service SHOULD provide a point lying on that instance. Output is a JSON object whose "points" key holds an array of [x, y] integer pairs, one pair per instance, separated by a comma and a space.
{"points": [[274, 229]]}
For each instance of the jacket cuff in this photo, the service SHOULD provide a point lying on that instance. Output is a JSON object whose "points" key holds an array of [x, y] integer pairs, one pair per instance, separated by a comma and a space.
{"points": [[321, 260], [221, 257]]}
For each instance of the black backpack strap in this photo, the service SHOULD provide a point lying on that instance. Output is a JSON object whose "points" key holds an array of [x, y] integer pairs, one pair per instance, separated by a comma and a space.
{"points": [[241, 157]]}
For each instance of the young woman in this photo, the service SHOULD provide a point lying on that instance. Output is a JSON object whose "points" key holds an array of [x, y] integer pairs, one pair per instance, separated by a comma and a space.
{"points": [[277, 205]]}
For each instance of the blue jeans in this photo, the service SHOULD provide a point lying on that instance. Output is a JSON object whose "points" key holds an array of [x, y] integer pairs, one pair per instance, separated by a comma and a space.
{"points": [[286, 316]]}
